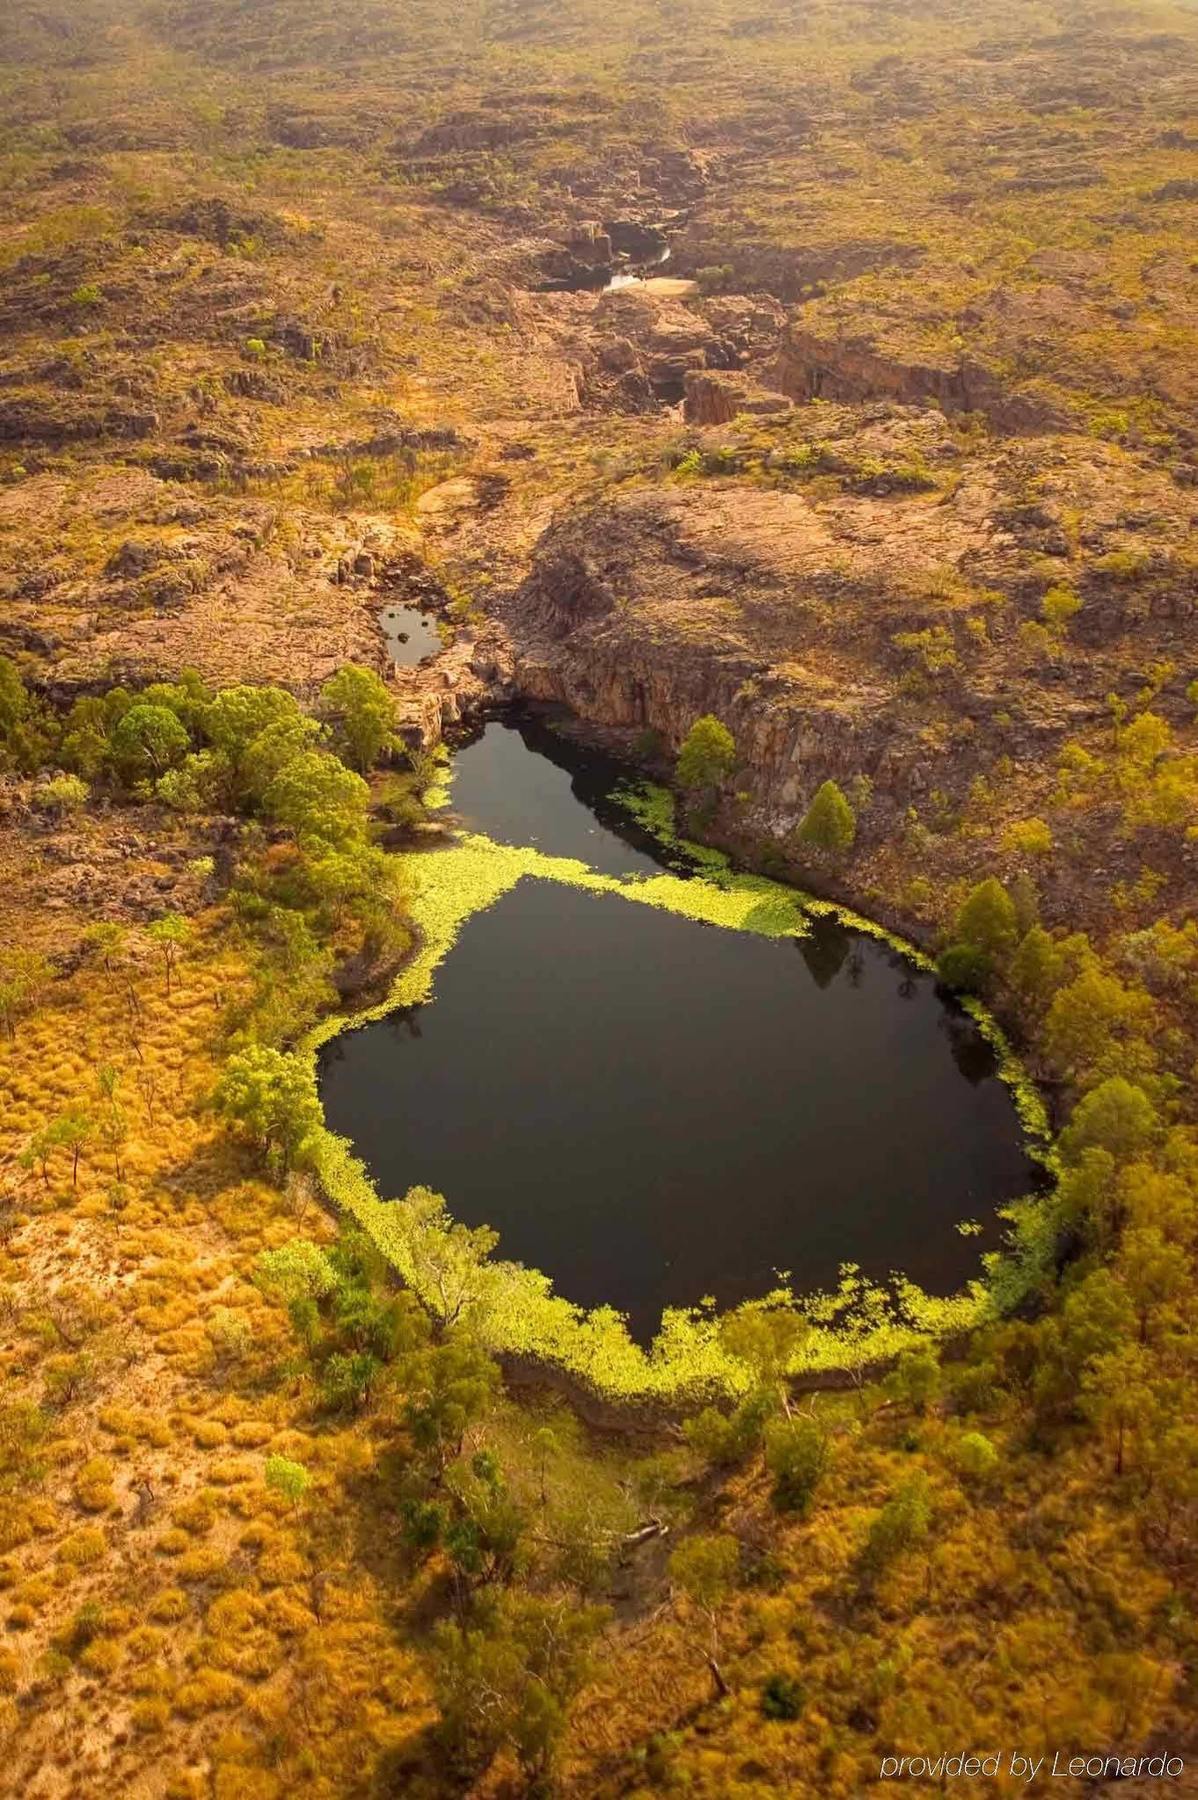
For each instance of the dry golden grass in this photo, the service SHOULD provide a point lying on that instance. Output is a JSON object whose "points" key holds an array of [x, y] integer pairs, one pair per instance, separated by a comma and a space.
{"points": [[153, 1506]]}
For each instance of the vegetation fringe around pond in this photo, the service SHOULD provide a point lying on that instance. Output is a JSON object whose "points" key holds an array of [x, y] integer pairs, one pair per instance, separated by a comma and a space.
{"points": [[513, 1308]]}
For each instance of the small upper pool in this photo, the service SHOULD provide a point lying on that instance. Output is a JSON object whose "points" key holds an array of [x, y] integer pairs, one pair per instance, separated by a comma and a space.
{"points": [[653, 1110], [411, 635]]}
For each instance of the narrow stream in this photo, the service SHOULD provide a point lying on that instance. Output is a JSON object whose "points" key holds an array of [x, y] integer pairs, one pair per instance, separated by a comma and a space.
{"points": [[653, 1110]]}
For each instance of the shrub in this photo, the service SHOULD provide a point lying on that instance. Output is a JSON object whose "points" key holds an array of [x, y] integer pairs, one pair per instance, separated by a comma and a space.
{"points": [[1123, 565], [62, 794], [707, 756], [1028, 837], [796, 1455], [83, 1547], [149, 1716], [783, 1698], [975, 1456], [169, 1606], [902, 1524], [209, 1690], [93, 1485], [830, 822], [1058, 607], [290, 1479]]}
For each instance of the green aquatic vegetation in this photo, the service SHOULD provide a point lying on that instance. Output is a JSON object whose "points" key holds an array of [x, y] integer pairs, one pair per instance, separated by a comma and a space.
{"points": [[654, 809], [513, 1309]]}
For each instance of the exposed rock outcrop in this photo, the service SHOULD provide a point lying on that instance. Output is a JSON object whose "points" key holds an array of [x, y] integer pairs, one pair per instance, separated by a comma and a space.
{"points": [[715, 398], [817, 367]]}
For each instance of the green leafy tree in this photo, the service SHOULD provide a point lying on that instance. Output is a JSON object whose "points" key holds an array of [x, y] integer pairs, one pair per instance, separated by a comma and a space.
{"points": [[147, 741], [1116, 1116], [113, 1122], [201, 783], [1117, 1395], [1096, 1319], [265, 756], [507, 1679], [1040, 965], [237, 715], [447, 1387], [23, 976], [707, 756], [28, 729], [318, 797], [766, 1336], [1153, 1273], [298, 1269], [1090, 1024], [987, 920], [253, 732], [450, 1260], [85, 745], [270, 1097], [168, 935], [105, 939], [361, 710], [70, 1131], [829, 822], [38, 1150], [14, 697], [188, 698], [727, 1439], [915, 1378], [983, 936], [484, 1537]]}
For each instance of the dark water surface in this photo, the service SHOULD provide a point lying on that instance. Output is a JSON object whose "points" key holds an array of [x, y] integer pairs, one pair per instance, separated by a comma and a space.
{"points": [[652, 1110]]}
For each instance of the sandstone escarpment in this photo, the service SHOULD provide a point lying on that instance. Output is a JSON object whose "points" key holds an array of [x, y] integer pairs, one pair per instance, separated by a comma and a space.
{"points": [[644, 614], [714, 398], [868, 624], [813, 366]]}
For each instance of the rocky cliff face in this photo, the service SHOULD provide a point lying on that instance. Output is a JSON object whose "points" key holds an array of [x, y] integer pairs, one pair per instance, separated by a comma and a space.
{"points": [[849, 629], [642, 615], [812, 366], [714, 398]]}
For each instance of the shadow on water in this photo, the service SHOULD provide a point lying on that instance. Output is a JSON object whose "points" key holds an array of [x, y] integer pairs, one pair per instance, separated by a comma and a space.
{"points": [[653, 1110]]}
